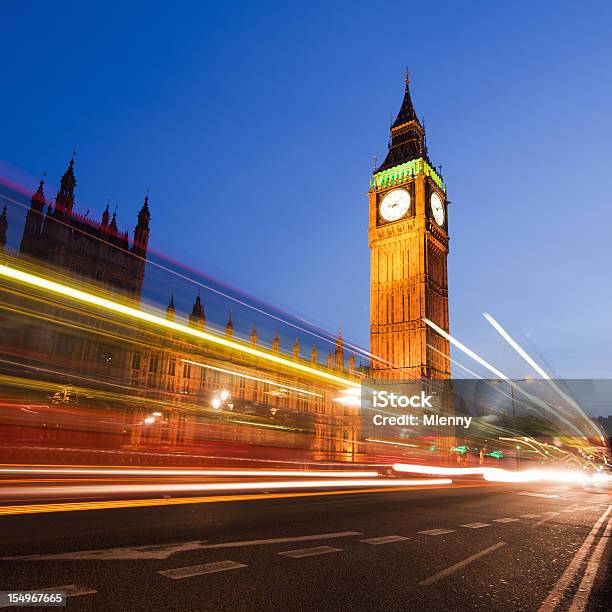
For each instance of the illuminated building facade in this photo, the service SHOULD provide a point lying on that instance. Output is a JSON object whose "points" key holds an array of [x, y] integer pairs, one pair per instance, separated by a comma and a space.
{"points": [[165, 383], [240, 397], [408, 238]]}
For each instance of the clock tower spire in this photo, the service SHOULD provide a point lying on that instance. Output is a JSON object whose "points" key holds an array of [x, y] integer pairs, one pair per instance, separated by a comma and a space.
{"points": [[408, 237]]}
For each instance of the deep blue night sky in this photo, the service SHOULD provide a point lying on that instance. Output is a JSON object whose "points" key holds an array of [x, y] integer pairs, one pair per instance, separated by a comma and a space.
{"points": [[254, 126]]}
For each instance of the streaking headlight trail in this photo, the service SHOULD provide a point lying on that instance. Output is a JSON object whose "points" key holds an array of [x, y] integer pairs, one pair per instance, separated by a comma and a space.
{"points": [[500, 475]]}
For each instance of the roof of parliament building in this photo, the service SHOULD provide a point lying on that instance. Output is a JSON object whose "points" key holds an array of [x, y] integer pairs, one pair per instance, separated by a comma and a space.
{"points": [[55, 233]]}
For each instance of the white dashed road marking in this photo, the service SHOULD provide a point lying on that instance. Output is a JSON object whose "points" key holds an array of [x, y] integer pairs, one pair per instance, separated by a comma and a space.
{"points": [[320, 536], [476, 525], [198, 570], [384, 540], [436, 532], [531, 515], [453, 568], [163, 551], [309, 552], [505, 520], [550, 515]]}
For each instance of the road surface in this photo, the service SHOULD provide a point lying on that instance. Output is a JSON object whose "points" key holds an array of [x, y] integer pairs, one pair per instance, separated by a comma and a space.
{"points": [[462, 547]]}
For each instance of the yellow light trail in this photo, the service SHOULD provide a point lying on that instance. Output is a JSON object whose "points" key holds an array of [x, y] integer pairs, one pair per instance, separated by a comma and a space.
{"points": [[88, 298], [139, 503], [269, 425], [263, 380], [391, 442]]}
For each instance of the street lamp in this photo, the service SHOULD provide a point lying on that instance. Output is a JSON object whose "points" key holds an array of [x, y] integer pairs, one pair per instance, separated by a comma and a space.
{"points": [[221, 398]]}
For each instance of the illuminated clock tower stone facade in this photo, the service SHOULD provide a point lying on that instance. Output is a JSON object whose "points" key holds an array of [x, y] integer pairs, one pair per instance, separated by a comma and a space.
{"points": [[408, 237]]}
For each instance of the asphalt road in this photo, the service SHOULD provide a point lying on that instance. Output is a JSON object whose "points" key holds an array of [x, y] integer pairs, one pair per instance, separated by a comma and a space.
{"points": [[454, 548]]}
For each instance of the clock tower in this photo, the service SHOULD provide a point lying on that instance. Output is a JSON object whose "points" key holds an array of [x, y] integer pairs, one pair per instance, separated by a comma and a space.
{"points": [[408, 237]]}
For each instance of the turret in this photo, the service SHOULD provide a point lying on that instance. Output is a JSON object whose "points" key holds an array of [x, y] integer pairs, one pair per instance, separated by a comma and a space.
{"points": [[229, 326], [276, 343], [296, 349], [141, 232], [34, 221], [254, 334], [113, 224], [105, 218], [197, 318], [170, 309], [313, 354], [3, 228], [64, 200], [339, 352]]}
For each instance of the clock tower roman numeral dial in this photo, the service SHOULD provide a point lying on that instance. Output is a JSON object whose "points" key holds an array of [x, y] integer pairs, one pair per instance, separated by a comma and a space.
{"points": [[394, 205]]}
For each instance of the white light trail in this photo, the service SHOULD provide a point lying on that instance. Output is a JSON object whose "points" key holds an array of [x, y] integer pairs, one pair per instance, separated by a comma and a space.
{"points": [[347, 401], [433, 348], [134, 489], [241, 375], [501, 475], [465, 349], [519, 349], [173, 472], [515, 345], [436, 470]]}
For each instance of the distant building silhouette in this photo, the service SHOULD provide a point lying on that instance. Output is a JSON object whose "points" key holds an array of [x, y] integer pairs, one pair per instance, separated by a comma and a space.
{"points": [[605, 423]]}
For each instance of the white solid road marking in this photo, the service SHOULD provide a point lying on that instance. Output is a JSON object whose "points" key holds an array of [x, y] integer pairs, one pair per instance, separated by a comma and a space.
{"points": [[476, 525], [555, 596], [74, 590], [384, 540], [198, 570], [538, 495], [453, 568], [71, 590], [436, 532], [505, 520], [531, 515], [586, 584], [309, 552], [163, 551]]}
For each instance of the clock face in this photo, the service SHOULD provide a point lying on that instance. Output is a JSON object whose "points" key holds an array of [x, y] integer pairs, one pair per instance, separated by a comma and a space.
{"points": [[437, 208], [395, 205]]}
